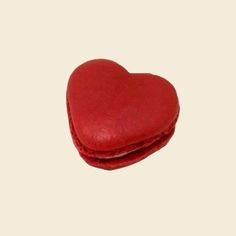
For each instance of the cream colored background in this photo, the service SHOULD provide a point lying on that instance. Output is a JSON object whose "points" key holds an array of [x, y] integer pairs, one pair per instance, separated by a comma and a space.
{"points": [[187, 188]]}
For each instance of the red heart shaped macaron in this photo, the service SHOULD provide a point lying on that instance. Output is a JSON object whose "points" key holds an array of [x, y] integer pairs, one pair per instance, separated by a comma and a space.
{"points": [[118, 118]]}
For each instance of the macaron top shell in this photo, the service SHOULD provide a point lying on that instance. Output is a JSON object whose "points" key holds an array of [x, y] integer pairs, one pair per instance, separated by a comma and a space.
{"points": [[111, 108]]}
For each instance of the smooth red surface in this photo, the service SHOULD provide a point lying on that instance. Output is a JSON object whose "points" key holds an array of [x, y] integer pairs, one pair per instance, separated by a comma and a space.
{"points": [[112, 112]]}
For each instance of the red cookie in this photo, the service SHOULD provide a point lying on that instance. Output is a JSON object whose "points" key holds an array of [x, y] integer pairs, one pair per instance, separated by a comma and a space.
{"points": [[118, 118]]}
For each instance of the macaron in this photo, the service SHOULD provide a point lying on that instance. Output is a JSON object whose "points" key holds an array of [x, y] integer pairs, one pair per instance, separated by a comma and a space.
{"points": [[118, 118]]}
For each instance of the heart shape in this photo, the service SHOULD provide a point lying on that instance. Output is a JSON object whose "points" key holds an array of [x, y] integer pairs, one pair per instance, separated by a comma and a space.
{"points": [[118, 118]]}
